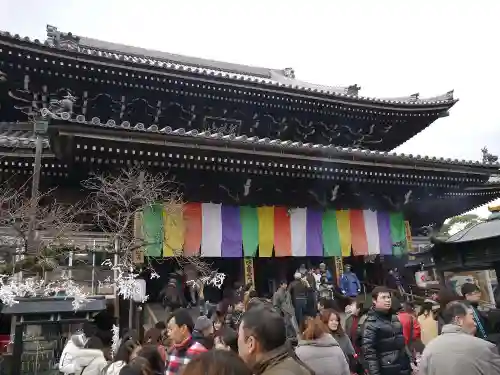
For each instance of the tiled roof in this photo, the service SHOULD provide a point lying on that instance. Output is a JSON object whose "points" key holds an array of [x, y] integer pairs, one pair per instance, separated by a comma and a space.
{"points": [[263, 76], [324, 150], [18, 136], [479, 231]]}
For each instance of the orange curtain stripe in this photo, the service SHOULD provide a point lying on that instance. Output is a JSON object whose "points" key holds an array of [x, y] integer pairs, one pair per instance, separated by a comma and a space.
{"points": [[358, 233], [282, 233], [192, 222]]}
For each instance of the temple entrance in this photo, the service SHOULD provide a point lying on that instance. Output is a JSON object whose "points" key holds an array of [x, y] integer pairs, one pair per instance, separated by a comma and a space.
{"points": [[269, 272], [231, 267]]}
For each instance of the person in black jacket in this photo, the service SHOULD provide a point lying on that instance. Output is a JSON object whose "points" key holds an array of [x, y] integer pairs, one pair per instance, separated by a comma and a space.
{"points": [[382, 343], [472, 294], [298, 289]]}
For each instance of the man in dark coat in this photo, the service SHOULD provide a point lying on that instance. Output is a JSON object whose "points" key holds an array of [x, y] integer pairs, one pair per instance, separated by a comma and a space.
{"points": [[382, 343], [472, 294]]}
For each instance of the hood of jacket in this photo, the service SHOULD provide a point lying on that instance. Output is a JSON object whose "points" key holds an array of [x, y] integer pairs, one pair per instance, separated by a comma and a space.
{"points": [[79, 340], [452, 328], [87, 356], [326, 340]]}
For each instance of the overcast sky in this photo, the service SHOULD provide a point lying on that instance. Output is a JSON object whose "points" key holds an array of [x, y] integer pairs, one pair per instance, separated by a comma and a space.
{"points": [[388, 47]]}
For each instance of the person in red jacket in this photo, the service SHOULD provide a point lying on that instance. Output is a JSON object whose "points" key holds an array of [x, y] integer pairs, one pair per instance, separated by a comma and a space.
{"points": [[409, 321]]}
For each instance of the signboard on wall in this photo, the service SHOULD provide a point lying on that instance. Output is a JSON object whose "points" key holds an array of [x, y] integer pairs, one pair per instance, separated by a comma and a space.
{"points": [[339, 268], [248, 268], [409, 241]]}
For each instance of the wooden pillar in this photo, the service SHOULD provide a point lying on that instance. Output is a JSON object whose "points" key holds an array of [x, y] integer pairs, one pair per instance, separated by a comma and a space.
{"points": [[339, 268], [40, 128]]}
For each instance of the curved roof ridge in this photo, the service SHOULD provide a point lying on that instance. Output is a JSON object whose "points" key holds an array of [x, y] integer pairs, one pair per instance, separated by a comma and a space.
{"points": [[176, 58], [415, 98], [287, 76], [268, 142], [266, 77]]}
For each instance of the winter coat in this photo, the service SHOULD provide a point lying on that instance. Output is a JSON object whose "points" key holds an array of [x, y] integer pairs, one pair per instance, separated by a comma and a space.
{"points": [[345, 344], [68, 357], [324, 356], [352, 330], [411, 327], [457, 353], [481, 323], [383, 345], [283, 302], [90, 362], [114, 368], [280, 362], [298, 289], [428, 327], [349, 283]]}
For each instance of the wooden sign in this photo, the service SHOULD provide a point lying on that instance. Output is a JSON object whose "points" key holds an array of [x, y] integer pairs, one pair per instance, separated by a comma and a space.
{"points": [[248, 268], [339, 268], [409, 241]]}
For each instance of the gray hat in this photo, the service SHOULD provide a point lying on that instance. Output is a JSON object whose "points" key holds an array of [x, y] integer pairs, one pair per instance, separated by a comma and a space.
{"points": [[202, 323]]}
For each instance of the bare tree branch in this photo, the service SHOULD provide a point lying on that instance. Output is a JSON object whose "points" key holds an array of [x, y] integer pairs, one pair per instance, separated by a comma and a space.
{"points": [[54, 224], [118, 202]]}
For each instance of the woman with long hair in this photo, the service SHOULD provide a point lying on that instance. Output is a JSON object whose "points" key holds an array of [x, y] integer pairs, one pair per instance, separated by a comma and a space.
{"points": [[331, 319], [122, 357], [138, 366], [320, 351], [156, 363], [153, 336]]}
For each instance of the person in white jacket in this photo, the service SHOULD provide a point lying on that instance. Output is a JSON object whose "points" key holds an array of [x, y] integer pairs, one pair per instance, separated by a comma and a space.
{"points": [[68, 357], [91, 359]]}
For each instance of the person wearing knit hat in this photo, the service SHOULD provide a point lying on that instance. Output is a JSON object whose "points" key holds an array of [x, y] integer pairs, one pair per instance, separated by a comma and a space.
{"points": [[203, 332]]}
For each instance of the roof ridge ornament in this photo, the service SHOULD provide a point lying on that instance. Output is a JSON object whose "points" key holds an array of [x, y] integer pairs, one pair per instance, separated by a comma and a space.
{"points": [[444, 97], [353, 90], [58, 39], [289, 73], [488, 158]]}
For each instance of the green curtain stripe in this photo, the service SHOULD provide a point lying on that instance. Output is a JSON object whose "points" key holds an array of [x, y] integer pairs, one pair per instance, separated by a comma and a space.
{"points": [[398, 235], [249, 230], [153, 230], [331, 237]]}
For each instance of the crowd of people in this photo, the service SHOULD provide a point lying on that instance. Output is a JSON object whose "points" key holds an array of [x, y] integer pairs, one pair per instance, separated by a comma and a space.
{"points": [[288, 336]]}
